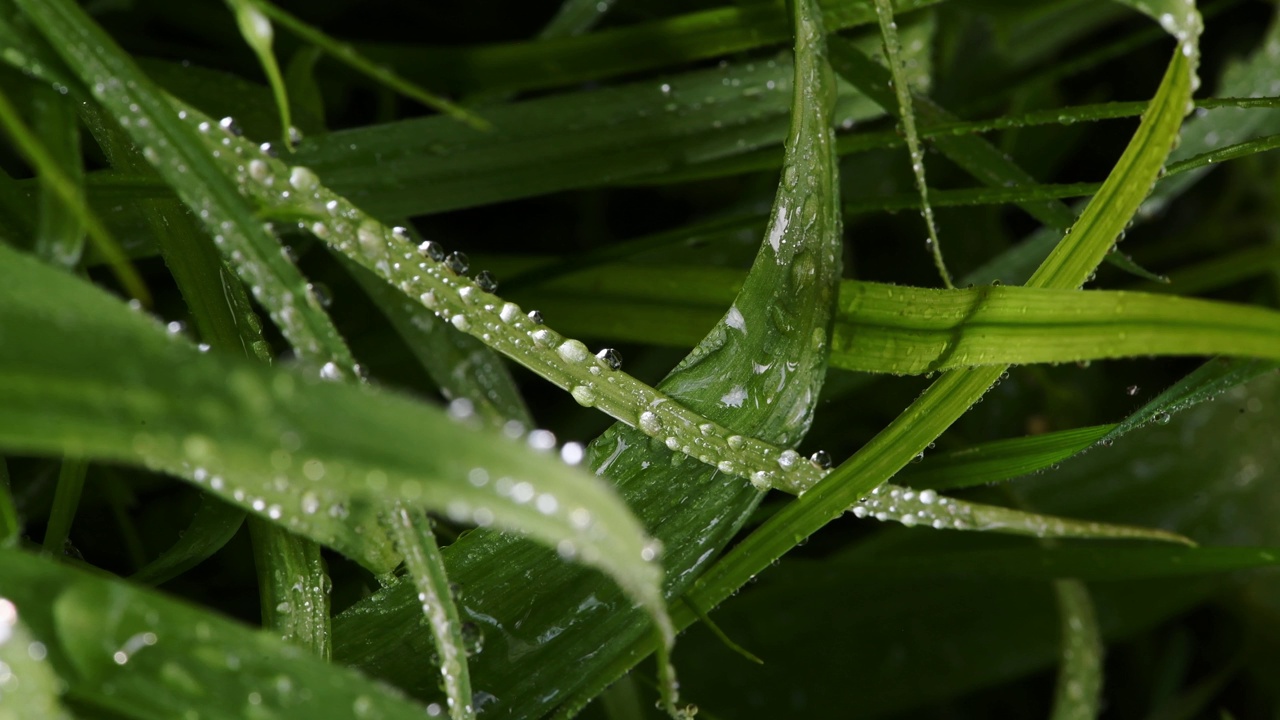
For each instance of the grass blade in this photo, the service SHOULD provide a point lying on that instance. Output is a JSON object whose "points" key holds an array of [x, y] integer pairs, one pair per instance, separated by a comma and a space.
{"points": [[212, 527], [66, 500], [1000, 459], [336, 478], [60, 235], [126, 650], [10, 525], [293, 587], [31, 686], [257, 32], [1079, 692]]}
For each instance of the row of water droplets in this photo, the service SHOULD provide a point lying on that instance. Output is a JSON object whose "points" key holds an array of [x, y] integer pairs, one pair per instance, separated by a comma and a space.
{"points": [[439, 280]]}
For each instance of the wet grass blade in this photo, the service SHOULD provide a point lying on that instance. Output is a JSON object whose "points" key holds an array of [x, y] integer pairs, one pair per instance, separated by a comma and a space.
{"points": [[1000, 459], [31, 685], [236, 417], [212, 527], [60, 234], [257, 32], [1078, 695], [121, 649], [10, 526], [66, 500]]}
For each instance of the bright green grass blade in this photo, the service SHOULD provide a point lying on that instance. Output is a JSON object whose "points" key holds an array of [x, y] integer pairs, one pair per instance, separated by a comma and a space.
{"points": [[563, 142], [346, 55], [940, 330], [177, 153], [66, 500], [955, 392], [1078, 695], [257, 32], [415, 541], [212, 527], [125, 650], [907, 116], [31, 688], [293, 586], [57, 181], [265, 440], [695, 508], [60, 234], [534, 65], [999, 460]]}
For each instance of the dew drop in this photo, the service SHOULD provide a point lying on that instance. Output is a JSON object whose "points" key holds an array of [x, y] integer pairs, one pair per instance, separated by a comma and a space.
{"points": [[486, 281], [649, 423], [457, 262], [584, 395], [788, 459], [611, 357], [573, 351], [821, 459]]}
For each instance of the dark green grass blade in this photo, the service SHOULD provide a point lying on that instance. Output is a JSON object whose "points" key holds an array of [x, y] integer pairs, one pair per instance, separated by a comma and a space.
{"points": [[669, 42], [999, 460], [293, 586], [66, 500], [60, 235], [1078, 695], [236, 418], [10, 526], [212, 527], [693, 508], [130, 651]]}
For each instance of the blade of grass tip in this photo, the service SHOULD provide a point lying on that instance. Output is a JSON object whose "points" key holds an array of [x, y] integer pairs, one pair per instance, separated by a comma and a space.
{"points": [[60, 235], [1078, 695], [412, 534], [57, 181], [257, 32], [949, 397], [31, 686], [893, 55], [66, 500], [176, 151], [212, 527], [1000, 459], [10, 525], [344, 53], [575, 17]]}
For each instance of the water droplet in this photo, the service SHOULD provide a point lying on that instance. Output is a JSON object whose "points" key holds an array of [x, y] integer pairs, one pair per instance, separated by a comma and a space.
{"points": [[303, 179], [571, 453], [788, 459], [269, 150], [735, 442], [611, 357], [573, 351], [457, 262], [649, 423], [1163, 418], [584, 395], [486, 281], [431, 250], [821, 459], [1131, 390], [230, 126], [535, 317]]}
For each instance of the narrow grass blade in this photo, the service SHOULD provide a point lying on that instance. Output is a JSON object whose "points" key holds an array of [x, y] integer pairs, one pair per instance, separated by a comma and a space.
{"points": [[907, 116], [999, 460], [56, 181], [31, 687], [177, 153], [257, 32], [293, 586], [121, 649], [413, 537], [346, 55], [277, 452], [10, 525], [212, 527], [575, 17], [66, 500], [1078, 695], [60, 234]]}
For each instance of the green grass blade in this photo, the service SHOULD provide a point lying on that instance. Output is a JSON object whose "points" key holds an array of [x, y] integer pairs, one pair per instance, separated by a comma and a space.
{"points": [[575, 17], [66, 500], [212, 527], [31, 687], [911, 330], [346, 55], [257, 32], [542, 64], [1078, 695], [907, 116], [1000, 459], [177, 153], [416, 542], [60, 235], [293, 586], [329, 481], [125, 650], [56, 181], [10, 525], [949, 397]]}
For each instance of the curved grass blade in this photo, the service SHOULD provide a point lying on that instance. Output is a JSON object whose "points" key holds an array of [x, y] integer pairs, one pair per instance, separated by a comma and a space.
{"points": [[907, 116], [344, 54], [31, 687], [999, 460], [121, 649], [264, 440], [1078, 695], [257, 32], [948, 398], [413, 537], [177, 153], [212, 527]]}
